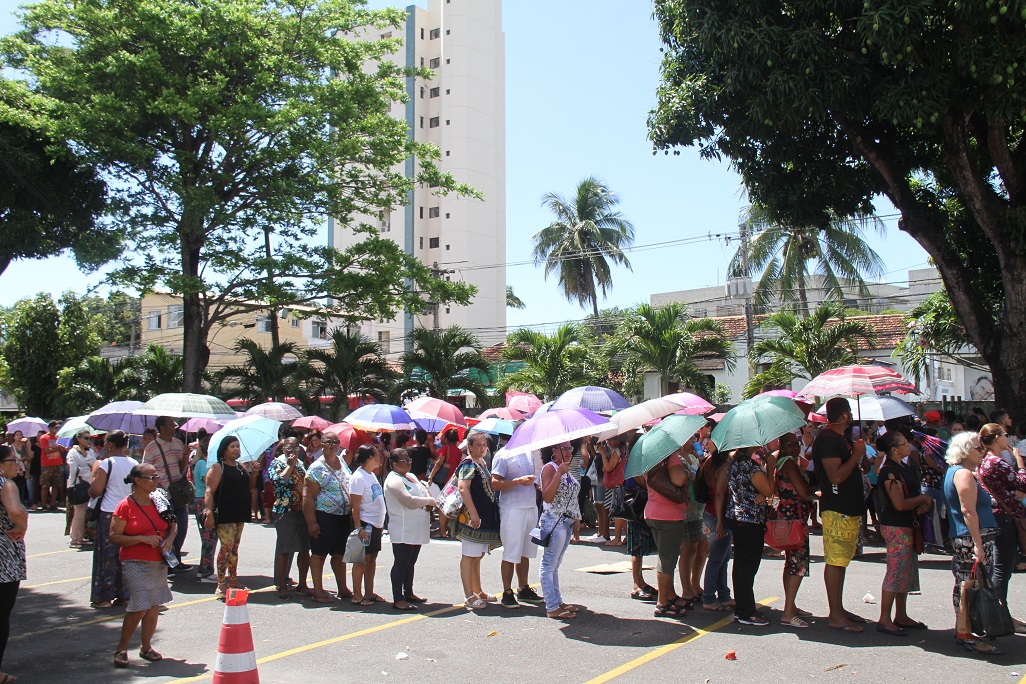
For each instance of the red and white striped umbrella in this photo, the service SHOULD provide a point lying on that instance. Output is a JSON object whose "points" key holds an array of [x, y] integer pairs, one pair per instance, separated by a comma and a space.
{"points": [[438, 409], [856, 380]]}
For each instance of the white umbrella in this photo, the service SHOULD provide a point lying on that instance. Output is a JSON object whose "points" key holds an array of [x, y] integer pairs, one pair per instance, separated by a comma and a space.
{"points": [[73, 426], [636, 416], [870, 407], [28, 425]]}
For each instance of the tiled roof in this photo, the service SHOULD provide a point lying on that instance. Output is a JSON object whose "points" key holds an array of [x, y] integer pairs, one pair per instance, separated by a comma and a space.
{"points": [[890, 328], [493, 354]]}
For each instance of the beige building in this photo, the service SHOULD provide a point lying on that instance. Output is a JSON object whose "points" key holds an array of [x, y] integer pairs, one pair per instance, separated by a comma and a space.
{"points": [[161, 321], [461, 111]]}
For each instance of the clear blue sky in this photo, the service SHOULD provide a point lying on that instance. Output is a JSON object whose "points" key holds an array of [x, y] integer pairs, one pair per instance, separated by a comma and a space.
{"points": [[581, 77]]}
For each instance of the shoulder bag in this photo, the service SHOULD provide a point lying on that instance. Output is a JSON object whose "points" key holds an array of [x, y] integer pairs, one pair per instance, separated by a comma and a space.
{"points": [[658, 479], [181, 491], [79, 492], [93, 509], [169, 556]]}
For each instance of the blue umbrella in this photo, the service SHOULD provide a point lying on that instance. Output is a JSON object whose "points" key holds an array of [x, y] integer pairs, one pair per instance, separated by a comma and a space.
{"points": [[591, 398], [495, 426], [255, 434], [428, 423], [380, 417]]}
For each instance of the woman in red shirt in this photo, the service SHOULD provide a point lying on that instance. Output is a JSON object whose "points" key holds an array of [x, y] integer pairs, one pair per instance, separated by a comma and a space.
{"points": [[143, 525]]}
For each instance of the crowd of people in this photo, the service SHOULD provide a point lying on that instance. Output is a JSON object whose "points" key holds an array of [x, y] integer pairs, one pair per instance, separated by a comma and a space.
{"points": [[949, 484]]}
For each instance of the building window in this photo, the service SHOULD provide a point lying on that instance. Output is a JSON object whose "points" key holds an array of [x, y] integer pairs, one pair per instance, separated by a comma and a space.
{"points": [[422, 243], [422, 62], [263, 324], [446, 214], [447, 248], [385, 222], [435, 33], [448, 61], [447, 122], [386, 36], [433, 243], [447, 91], [433, 122], [319, 329], [433, 185], [422, 34], [154, 320], [295, 322], [433, 212], [447, 153], [175, 314], [422, 212], [446, 309], [435, 92], [383, 340], [422, 92], [448, 32], [422, 122], [435, 62]]}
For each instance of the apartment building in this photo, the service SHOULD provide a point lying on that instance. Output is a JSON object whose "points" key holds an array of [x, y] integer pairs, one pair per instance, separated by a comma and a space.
{"points": [[461, 110]]}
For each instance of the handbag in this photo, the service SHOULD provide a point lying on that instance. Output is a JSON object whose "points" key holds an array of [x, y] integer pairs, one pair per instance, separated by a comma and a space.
{"points": [[355, 552], [180, 491], [658, 479], [544, 540], [631, 505], [785, 535], [988, 612], [93, 508], [450, 501]]}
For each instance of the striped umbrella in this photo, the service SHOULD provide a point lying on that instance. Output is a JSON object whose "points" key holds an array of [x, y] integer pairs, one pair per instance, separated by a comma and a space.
{"points": [[380, 418], [857, 380], [186, 405], [591, 398], [275, 410], [436, 408]]}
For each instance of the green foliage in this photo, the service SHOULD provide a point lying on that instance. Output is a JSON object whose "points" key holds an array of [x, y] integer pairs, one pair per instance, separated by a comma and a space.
{"points": [[223, 118], [721, 394], [98, 381], [164, 371], [265, 374], [935, 330], [443, 361], [41, 339], [587, 234], [111, 318], [783, 254], [821, 106], [512, 301], [50, 197], [551, 364], [354, 365], [805, 346], [667, 341]]}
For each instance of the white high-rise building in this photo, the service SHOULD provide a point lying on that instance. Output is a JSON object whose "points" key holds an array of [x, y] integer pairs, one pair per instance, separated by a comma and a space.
{"points": [[462, 110]]}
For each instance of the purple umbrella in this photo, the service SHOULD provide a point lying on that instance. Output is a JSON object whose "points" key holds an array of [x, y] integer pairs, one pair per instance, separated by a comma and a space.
{"points": [[29, 426], [208, 424], [591, 398], [554, 427], [118, 415]]}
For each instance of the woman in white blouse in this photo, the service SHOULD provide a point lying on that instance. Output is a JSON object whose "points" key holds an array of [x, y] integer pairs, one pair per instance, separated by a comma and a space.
{"points": [[81, 458], [409, 526]]}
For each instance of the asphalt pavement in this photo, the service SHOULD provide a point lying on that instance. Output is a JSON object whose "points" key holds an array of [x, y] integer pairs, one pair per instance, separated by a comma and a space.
{"points": [[57, 637]]}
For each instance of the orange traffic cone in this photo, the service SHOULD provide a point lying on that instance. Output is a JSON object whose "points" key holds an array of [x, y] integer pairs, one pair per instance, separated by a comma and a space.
{"points": [[236, 659]]}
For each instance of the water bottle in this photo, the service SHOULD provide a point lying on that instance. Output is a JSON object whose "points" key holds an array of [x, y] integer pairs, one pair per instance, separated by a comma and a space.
{"points": [[171, 558], [369, 530]]}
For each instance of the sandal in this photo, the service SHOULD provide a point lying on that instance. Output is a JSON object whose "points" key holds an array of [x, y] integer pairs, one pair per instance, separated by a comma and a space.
{"points": [[474, 603], [485, 596], [356, 600], [150, 655], [642, 595], [327, 598], [794, 622], [973, 646], [305, 591], [120, 658], [366, 601], [344, 594], [562, 614], [285, 595], [7, 678], [378, 599], [413, 598], [669, 610], [716, 607]]}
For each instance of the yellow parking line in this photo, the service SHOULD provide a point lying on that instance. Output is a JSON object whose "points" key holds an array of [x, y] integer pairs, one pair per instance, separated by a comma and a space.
{"points": [[108, 618], [63, 581], [50, 553], [663, 650]]}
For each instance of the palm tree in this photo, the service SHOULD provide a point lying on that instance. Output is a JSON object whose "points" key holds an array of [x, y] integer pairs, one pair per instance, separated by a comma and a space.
{"points": [[264, 374], [444, 361], [98, 381], [512, 301], [353, 365], [549, 365], [587, 231], [667, 341], [783, 255], [805, 346], [164, 371]]}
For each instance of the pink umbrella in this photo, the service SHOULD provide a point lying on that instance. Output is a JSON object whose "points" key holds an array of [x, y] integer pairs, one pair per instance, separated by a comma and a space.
{"points": [[311, 423], [349, 438], [856, 380], [803, 404], [208, 424], [438, 409], [692, 404], [504, 413], [525, 402]]}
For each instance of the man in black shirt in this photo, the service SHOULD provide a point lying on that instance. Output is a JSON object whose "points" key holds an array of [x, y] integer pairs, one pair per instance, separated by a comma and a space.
{"points": [[842, 504]]}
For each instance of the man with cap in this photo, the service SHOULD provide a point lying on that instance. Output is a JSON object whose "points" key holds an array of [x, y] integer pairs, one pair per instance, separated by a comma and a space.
{"points": [[842, 505], [933, 421]]}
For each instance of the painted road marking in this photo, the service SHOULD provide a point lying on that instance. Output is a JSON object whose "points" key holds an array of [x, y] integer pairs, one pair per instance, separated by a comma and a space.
{"points": [[663, 650], [63, 581], [50, 553]]}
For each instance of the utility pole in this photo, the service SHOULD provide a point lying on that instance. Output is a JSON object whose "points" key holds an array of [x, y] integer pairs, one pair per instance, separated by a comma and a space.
{"points": [[743, 229], [272, 311], [437, 273]]}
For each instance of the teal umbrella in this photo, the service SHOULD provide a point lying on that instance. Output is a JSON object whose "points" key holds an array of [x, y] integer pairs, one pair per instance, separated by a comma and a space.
{"points": [[72, 426], [757, 422], [255, 435], [661, 441]]}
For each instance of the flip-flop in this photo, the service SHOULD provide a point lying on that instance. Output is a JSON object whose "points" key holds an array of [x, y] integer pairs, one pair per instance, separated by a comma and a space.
{"points": [[323, 599], [915, 624], [344, 594], [356, 600], [891, 632], [852, 629], [716, 607], [366, 601], [7, 678], [794, 622], [562, 614]]}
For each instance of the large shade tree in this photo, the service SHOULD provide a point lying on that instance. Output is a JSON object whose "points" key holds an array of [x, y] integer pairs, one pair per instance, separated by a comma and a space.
{"points": [[223, 119], [586, 236], [98, 381], [792, 260], [667, 341], [805, 346], [824, 106]]}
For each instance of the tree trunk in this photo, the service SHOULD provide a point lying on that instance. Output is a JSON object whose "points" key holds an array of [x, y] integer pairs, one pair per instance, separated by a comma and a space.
{"points": [[272, 311], [195, 352], [803, 298]]}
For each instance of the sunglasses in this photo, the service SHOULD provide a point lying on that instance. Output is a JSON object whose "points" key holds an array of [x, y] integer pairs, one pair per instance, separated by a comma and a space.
{"points": [[154, 478], [330, 441], [9, 460]]}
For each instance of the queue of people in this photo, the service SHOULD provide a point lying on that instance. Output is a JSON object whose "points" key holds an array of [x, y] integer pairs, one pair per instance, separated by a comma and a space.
{"points": [[702, 512]]}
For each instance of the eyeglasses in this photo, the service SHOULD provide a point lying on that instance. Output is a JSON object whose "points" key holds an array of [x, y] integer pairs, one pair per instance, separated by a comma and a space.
{"points": [[1000, 434], [562, 448], [330, 441], [148, 477], [404, 460], [9, 460], [979, 448]]}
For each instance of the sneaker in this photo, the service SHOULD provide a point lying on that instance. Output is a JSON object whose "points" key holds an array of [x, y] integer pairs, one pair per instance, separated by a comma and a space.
{"points": [[207, 579], [509, 600], [528, 595], [596, 538], [756, 620]]}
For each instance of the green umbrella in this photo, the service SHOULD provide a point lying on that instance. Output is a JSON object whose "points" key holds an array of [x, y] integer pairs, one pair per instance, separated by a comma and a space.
{"points": [[73, 426], [757, 422], [660, 442]]}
